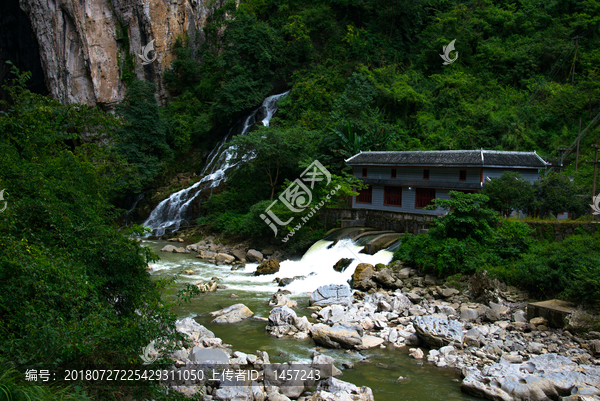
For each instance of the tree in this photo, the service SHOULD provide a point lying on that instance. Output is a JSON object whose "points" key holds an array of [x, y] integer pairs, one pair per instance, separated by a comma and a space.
{"points": [[271, 149], [510, 192], [143, 141], [73, 289], [556, 193], [468, 217]]}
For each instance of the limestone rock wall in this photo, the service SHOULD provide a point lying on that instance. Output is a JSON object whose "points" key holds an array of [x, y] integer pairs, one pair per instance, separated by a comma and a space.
{"points": [[83, 42]]}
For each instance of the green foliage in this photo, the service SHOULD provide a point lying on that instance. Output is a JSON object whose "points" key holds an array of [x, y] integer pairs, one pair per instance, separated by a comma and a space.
{"points": [[458, 243], [468, 217], [142, 141], [557, 193], [126, 64], [272, 150], [14, 388], [510, 192], [569, 269], [466, 239], [513, 239], [72, 288]]}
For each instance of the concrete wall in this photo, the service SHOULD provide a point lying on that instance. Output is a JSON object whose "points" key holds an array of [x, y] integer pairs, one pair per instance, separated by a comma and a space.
{"points": [[414, 222], [408, 202], [383, 220], [556, 231], [529, 175]]}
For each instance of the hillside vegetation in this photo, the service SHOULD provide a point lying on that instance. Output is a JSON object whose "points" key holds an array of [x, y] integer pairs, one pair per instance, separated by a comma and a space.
{"points": [[367, 75]]}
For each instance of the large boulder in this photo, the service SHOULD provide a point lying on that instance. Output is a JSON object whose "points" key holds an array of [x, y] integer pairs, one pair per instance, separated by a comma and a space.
{"points": [[333, 389], [271, 266], [204, 355], [370, 342], [232, 314], [331, 294], [194, 330], [542, 377], [254, 256], [279, 299], [204, 254], [281, 321], [303, 377], [180, 250], [324, 363], [192, 247], [336, 336], [482, 284], [224, 258], [362, 277], [168, 248], [387, 279], [437, 331], [284, 321], [240, 392], [281, 316], [239, 254]]}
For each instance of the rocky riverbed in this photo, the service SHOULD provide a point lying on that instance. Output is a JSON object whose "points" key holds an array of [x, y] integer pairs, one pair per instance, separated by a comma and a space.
{"points": [[501, 354], [478, 327], [206, 349]]}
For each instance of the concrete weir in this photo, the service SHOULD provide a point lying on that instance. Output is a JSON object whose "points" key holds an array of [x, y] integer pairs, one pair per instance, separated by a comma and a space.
{"points": [[378, 239], [347, 233], [381, 242], [554, 311]]}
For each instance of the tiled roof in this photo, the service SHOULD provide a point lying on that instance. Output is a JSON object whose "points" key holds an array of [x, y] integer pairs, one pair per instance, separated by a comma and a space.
{"points": [[454, 158]]}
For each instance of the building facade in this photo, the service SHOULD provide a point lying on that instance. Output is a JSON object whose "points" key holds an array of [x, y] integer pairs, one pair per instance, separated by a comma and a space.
{"points": [[409, 181]]}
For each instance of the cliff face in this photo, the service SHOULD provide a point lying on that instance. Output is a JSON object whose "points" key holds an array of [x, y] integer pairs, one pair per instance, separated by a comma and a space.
{"points": [[83, 43]]}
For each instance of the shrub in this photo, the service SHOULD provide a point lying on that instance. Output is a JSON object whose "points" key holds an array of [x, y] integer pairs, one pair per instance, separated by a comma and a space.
{"points": [[569, 269]]}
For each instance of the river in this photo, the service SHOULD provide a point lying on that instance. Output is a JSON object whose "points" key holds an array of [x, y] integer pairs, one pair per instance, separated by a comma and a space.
{"points": [[422, 380]]}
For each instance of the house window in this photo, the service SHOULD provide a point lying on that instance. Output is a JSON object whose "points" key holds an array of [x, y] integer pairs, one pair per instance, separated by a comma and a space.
{"points": [[393, 173], [392, 196], [364, 172], [365, 195], [423, 197], [462, 175], [425, 174]]}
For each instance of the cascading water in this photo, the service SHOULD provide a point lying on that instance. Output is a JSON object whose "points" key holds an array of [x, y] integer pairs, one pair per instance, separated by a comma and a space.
{"points": [[314, 269], [171, 212]]}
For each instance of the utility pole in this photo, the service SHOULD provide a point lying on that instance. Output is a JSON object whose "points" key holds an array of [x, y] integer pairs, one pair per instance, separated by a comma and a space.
{"points": [[578, 139], [576, 38], [561, 150], [594, 182]]}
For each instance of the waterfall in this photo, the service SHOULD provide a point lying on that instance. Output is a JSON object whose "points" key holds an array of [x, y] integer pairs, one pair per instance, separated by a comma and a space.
{"points": [[171, 212], [136, 200]]}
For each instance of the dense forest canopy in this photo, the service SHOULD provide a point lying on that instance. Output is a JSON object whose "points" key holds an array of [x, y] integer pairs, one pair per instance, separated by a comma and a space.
{"points": [[368, 75]]}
